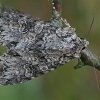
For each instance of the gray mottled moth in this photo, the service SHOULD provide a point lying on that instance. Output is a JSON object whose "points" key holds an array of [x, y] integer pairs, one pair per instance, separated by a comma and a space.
{"points": [[34, 46]]}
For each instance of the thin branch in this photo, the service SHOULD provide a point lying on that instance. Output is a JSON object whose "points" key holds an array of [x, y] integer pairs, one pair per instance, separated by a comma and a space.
{"points": [[56, 6], [56, 18]]}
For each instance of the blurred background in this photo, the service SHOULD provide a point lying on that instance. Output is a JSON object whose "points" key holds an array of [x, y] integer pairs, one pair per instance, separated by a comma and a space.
{"points": [[64, 83]]}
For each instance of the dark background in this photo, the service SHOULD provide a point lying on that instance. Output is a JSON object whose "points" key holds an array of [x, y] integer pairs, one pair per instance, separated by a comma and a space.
{"points": [[65, 83]]}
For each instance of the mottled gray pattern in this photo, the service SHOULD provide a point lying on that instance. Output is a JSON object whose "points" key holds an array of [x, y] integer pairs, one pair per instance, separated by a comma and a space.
{"points": [[35, 47]]}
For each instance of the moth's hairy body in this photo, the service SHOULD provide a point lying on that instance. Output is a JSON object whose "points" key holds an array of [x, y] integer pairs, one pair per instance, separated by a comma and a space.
{"points": [[34, 46]]}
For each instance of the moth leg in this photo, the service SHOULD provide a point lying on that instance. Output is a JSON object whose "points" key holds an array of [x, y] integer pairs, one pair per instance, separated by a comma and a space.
{"points": [[79, 65]]}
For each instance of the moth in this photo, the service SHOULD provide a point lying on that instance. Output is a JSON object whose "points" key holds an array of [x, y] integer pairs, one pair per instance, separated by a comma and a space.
{"points": [[34, 46]]}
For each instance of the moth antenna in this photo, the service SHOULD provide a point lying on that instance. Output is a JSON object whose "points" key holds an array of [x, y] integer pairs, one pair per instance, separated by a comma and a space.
{"points": [[95, 71], [96, 76], [96, 6], [87, 37]]}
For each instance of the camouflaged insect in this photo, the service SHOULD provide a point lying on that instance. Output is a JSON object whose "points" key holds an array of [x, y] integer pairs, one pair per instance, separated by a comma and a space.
{"points": [[34, 46]]}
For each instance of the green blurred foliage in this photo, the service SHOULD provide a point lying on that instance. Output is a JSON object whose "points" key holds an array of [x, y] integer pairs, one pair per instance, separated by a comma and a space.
{"points": [[64, 83]]}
